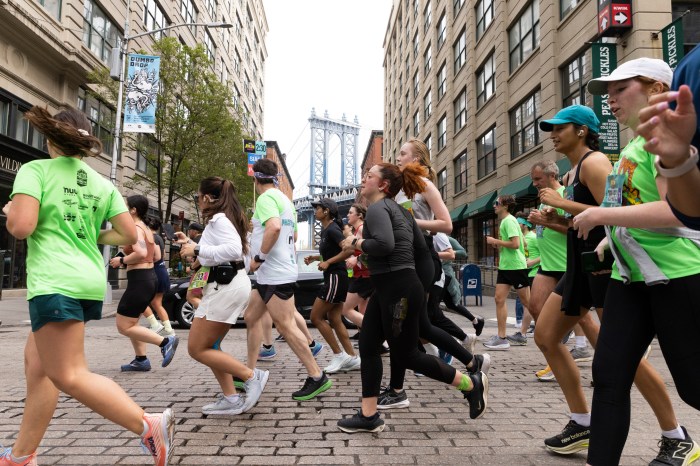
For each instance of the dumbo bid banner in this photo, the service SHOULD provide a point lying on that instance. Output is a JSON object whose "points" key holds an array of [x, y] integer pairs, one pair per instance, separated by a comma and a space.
{"points": [[142, 85]]}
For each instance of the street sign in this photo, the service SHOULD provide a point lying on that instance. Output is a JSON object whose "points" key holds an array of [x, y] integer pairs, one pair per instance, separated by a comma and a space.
{"points": [[672, 39], [622, 15], [259, 150], [614, 17], [604, 61]]}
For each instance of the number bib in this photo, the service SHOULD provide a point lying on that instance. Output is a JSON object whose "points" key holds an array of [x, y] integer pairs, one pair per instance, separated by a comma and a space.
{"points": [[200, 278], [613, 190]]}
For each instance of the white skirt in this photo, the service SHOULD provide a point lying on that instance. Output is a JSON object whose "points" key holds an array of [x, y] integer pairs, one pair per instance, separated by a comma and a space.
{"points": [[228, 302]]}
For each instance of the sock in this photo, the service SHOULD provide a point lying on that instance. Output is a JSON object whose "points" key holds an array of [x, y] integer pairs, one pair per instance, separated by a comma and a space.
{"points": [[465, 384], [164, 342], [152, 321], [251, 377], [316, 379], [466, 339], [267, 346], [141, 358], [582, 419], [19, 459], [168, 327], [676, 433], [475, 320], [312, 344], [232, 398], [145, 427], [431, 349], [580, 341]]}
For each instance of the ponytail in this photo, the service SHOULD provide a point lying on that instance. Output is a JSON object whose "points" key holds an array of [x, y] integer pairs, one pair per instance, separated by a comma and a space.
{"points": [[413, 179], [69, 131], [225, 200]]}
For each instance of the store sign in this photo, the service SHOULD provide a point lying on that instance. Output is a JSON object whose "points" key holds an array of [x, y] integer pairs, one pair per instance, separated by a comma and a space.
{"points": [[9, 164], [672, 39], [604, 61], [614, 17], [255, 150]]}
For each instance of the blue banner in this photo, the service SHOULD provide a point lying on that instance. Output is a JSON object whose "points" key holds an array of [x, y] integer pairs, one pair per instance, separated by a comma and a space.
{"points": [[142, 86]]}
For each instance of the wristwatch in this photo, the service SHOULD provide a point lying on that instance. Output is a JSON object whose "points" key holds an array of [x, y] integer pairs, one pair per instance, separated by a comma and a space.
{"points": [[121, 260], [196, 250], [258, 259], [681, 169], [354, 241]]}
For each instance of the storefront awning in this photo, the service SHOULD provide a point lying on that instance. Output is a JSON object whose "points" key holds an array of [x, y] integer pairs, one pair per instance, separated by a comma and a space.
{"points": [[564, 166], [521, 187], [479, 205], [456, 214]]}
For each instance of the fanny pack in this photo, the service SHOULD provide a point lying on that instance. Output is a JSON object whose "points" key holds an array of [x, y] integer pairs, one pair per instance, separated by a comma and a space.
{"points": [[223, 274]]}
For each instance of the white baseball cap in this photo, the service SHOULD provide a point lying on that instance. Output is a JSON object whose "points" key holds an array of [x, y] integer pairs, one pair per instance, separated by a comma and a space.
{"points": [[652, 68]]}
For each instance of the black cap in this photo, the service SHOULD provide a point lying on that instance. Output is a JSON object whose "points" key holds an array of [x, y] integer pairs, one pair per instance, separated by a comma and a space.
{"points": [[196, 226], [327, 203]]}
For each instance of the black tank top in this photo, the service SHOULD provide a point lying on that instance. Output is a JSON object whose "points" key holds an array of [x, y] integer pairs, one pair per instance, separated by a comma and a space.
{"points": [[583, 195]]}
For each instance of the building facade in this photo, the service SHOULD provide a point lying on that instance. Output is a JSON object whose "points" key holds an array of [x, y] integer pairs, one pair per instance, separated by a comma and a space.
{"points": [[47, 48], [472, 78]]}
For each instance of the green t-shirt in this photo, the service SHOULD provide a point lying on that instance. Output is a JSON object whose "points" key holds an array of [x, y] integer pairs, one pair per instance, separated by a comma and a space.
{"points": [[74, 201], [552, 244], [532, 251], [676, 257], [511, 259]]}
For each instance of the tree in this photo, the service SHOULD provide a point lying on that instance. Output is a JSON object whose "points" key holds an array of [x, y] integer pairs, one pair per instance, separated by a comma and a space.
{"points": [[197, 134]]}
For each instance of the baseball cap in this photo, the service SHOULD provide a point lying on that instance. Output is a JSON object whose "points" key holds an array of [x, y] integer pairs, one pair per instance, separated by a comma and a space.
{"points": [[195, 226], [327, 203], [576, 114], [652, 68]]}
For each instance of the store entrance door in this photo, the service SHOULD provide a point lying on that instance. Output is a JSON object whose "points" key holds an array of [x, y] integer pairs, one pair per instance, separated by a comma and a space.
{"points": [[14, 252]]}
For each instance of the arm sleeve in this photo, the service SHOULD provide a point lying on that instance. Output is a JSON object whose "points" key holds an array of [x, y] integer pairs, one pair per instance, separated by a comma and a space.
{"points": [[336, 235], [116, 203], [381, 241], [460, 252], [229, 247], [441, 243], [29, 181], [512, 230], [266, 208]]}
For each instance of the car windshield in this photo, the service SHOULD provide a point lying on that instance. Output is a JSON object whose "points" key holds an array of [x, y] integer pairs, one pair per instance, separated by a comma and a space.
{"points": [[312, 267]]}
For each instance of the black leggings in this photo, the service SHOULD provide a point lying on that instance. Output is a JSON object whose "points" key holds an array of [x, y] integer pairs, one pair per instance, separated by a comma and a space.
{"points": [[449, 302], [633, 315], [379, 325], [438, 318]]}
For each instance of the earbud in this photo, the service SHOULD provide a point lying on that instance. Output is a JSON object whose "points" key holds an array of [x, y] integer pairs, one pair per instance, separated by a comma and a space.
{"points": [[580, 133]]}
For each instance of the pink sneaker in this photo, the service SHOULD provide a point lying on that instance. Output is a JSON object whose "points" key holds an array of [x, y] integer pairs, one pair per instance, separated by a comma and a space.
{"points": [[158, 441], [6, 459]]}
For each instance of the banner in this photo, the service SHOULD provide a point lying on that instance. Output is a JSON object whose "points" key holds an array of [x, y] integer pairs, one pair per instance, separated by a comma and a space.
{"points": [[604, 61], [672, 40], [255, 150], [142, 85]]}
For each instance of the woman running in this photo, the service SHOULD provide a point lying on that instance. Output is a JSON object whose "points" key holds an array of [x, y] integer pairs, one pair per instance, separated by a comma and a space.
{"points": [[329, 303], [225, 293], [392, 240], [163, 327], [141, 288], [361, 287], [58, 206], [655, 281]]}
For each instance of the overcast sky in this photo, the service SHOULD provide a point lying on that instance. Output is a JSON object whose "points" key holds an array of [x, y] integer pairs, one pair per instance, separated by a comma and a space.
{"points": [[327, 55]]}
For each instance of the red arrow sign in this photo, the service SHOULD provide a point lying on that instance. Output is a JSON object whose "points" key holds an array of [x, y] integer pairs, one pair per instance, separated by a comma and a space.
{"points": [[622, 15]]}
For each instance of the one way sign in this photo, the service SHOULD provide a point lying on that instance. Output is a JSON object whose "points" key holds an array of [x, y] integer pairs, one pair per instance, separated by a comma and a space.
{"points": [[614, 17], [622, 15]]}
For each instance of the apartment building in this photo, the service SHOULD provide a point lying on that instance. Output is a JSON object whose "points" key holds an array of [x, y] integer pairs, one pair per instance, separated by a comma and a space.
{"points": [[47, 47], [472, 78]]}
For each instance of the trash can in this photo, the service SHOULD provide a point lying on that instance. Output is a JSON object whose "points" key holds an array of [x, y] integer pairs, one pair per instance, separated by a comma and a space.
{"points": [[471, 283]]}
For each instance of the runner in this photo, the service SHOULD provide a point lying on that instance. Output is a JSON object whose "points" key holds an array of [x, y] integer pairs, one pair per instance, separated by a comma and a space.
{"points": [[532, 261], [163, 327], [361, 287], [58, 206], [452, 293]]}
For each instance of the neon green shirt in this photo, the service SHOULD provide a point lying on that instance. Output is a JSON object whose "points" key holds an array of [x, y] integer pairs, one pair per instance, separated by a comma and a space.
{"points": [[511, 259], [676, 257], [532, 251], [552, 244], [74, 201]]}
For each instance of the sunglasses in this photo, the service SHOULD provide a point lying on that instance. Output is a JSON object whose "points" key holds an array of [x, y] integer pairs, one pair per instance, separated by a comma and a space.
{"points": [[496, 204]]}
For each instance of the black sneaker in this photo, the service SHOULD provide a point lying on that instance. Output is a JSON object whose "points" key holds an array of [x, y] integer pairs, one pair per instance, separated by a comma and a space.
{"points": [[359, 423], [390, 399], [573, 438], [384, 349], [313, 388], [478, 395], [482, 363], [479, 325], [280, 338], [674, 452], [355, 336]]}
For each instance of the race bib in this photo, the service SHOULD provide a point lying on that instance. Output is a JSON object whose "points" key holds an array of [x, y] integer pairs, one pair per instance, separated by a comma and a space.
{"points": [[569, 196], [613, 190], [200, 278], [539, 231]]}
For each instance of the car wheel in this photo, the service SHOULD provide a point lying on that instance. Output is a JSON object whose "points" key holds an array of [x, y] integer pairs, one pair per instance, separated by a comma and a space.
{"points": [[184, 313]]}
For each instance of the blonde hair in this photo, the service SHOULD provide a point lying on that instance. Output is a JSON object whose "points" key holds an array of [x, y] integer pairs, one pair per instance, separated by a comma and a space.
{"points": [[423, 153]]}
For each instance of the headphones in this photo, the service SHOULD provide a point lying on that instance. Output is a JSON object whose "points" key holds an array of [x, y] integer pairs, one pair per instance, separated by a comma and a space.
{"points": [[580, 133]]}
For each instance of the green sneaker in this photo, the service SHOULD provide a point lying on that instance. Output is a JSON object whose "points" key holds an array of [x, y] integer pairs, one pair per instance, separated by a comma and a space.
{"points": [[312, 388]]}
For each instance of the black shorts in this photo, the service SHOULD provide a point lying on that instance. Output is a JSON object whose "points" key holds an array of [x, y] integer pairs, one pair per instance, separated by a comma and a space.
{"points": [[283, 291], [141, 287], [551, 273], [515, 278], [592, 295], [362, 286], [335, 287], [162, 276]]}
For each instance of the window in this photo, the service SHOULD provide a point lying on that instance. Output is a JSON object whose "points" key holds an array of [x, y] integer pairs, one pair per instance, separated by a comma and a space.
{"points": [[485, 82], [442, 183], [575, 76], [53, 7], [524, 36], [458, 4], [460, 171], [407, 101], [100, 34], [236, 97], [524, 125], [486, 153], [236, 62], [460, 51], [189, 13], [442, 81], [154, 18], [460, 110], [428, 60], [442, 30], [416, 84], [442, 133], [224, 71], [567, 6], [211, 8], [416, 123], [484, 16], [225, 37], [690, 13], [13, 124], [408, 65], [147, 149], [429, 142], [101, 117], [416, 45], [427, 18], [428, 104], [415, 8], [209, 46]]}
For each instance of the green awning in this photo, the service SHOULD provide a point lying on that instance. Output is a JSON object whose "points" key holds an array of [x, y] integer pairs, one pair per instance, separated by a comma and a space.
{"points": [[564, 166], [479, 205], [521, 187], [456, 213]]}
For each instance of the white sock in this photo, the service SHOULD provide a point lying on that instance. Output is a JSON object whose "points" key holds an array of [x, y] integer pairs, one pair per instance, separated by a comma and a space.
{"points": [[145, 428], [168, 327], [152, 321], [466, 338], [232, 398], [582, 419], [431, 349], [676, 433], [580, 341]]}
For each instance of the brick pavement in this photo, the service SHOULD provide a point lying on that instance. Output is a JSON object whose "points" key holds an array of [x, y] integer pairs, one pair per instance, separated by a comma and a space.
{"points": [[434, 430]]}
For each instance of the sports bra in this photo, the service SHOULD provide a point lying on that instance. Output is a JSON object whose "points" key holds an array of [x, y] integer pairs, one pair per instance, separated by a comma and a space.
{"points": [[150, 250]]}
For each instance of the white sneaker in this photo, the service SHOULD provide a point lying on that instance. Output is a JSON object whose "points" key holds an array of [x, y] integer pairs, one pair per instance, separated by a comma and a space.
{"points": [[254, 388], [336, 363], [497, 343], [223, 406], [351, 364], [470, 342]]}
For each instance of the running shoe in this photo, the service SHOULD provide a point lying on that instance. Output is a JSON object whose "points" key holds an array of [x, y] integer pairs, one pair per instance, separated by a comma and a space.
{"points": [[446, 357], [355, 336], [316, 348], [389, 399], [517, 339], [313, 388], [336, 363], [158, 440], [674, 452], [384, 349], [530, 332], [168, 351], [581, 354], [267, 353], [479, 325], [352, 364], [254, 388], [470, 342], [280, 338], [359, 423], [497, 343], [478, 395], [137, 366], [545, 375], [6, 459], [482, 363], [567, 337], [573, 438], [224, 406]]}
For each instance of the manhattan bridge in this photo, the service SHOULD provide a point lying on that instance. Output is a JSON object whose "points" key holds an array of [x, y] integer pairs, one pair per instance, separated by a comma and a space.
{"points": [[322, 129]]}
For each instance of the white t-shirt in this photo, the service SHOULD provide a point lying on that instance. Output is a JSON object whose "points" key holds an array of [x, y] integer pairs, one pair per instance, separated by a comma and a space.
{"points": [[220, 242], [441, 243], [280, 266]]}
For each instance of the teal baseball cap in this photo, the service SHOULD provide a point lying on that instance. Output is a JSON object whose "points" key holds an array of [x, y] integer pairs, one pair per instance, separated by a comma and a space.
{"points": [[576, 114]]}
